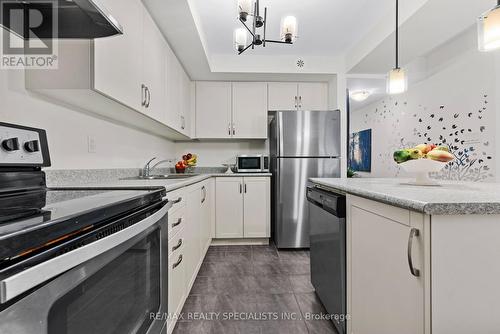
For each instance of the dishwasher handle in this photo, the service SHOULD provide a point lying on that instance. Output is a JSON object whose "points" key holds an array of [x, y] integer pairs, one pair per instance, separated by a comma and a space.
{"points": [[328, 201]]}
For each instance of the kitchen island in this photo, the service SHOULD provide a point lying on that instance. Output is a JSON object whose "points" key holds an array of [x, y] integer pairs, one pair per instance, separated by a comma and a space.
{"points": [[421, 259]]}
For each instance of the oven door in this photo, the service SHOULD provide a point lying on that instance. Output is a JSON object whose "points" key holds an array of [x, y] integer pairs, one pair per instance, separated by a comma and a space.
{"points": [[121, 290]]}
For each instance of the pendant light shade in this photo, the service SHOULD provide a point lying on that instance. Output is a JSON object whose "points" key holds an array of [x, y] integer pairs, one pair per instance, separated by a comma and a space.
{"points": [[488, 28], [397, 81], [288, 29], [240, 39], [244, 8]]}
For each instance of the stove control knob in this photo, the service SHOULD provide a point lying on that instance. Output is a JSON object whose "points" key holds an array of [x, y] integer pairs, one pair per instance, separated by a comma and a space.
{"points": [[11, 144], [32, 146]]}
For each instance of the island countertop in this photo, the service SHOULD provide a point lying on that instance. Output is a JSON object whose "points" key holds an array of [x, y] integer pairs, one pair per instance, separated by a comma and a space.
{"points": [[449, 198]]}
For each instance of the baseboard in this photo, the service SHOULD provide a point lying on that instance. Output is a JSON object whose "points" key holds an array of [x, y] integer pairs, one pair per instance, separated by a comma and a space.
{"points": [[237, 242]]}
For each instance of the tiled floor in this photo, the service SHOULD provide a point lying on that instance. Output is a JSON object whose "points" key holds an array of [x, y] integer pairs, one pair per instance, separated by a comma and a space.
{"points": [[268, 290]]}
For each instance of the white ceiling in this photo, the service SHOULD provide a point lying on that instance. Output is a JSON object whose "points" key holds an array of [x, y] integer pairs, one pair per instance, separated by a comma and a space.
{"points": [[325, 27]]}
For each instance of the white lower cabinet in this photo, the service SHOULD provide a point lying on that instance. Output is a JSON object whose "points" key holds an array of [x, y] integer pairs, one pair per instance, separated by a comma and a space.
{"points": [[242, 207], [384, 296], [176, 275], [193, 234]]}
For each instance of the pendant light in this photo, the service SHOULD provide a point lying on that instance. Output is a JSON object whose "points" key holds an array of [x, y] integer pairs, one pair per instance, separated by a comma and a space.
{"points": [[397, 81], [488, 28]]}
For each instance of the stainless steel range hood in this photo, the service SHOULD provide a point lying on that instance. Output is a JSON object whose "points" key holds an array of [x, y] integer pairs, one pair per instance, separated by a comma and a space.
{"points": [[79, 19]]}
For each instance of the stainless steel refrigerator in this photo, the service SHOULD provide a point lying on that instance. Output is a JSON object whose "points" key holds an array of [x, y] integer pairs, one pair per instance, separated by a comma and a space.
{"points": [[302, 144]]}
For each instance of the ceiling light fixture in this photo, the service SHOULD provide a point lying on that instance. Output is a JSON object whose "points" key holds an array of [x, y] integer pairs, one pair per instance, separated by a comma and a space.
{"points": [[288, 27], [397, 81], [488, 29], [360, 95]]}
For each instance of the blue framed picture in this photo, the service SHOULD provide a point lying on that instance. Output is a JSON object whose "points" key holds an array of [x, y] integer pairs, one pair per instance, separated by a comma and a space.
{"points": [[360, 153]]}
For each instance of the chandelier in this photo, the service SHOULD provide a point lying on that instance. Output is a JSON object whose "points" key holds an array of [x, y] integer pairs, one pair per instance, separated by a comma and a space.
{"points": [[257, 30]]}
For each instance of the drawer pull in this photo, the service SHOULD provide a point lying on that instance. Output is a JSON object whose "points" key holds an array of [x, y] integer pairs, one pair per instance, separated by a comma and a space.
{"points": [[176, 201], [175, 265], [176, 247], [413, 233], [177, 223]]}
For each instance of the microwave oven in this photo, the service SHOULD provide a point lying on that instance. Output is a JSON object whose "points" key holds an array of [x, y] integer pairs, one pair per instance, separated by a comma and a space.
{"points": [[252, 163]]}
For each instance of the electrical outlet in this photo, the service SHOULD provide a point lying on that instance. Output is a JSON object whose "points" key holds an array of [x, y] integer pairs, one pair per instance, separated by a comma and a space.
{"points": [[92, 145]]}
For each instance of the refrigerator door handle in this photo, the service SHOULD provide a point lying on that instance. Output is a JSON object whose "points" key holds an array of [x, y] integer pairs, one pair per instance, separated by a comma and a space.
{"points": [[280, 134]]}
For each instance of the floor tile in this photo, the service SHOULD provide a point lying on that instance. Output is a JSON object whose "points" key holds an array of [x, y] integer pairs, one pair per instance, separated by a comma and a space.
{"points": [[321, 327], [265, 256], [267, 269], [292, 255], [238, 257], [271, 284], [284, 327], [278, 303], [223, 285], [309, 303], [296, 267], [301, 283], [218, 269]]}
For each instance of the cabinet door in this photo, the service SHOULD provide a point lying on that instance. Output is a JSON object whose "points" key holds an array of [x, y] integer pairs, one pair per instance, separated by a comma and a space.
{"points": [[154, 47], [172, 90], [313, 96], [118, 59], [193, 234], [385, 296], [282, 96], [213, 109], [185, 107], [229, 207], [256, 217], [250, 110], [206, 228], [176, 282]]}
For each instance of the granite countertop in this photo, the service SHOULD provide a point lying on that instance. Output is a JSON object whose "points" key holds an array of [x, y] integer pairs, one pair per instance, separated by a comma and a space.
{"points": [[449, 198], [119, 178]]}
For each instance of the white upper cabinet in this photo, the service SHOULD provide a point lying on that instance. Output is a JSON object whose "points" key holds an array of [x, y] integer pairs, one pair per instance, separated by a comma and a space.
{"points": [[249, 110], [118, 59], [298, 96], [213, 110], [313, 96], [282, 96], [153, 83]]}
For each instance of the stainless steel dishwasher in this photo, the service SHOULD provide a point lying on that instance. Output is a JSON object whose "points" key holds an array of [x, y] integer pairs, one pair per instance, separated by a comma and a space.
{"points": [[328, 251]]}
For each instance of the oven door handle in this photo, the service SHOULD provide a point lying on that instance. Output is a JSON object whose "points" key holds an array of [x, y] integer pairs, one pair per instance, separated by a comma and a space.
{"points": [[23, 281]]}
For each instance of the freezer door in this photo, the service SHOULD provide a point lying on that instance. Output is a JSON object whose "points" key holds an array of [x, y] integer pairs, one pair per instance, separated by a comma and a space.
{"points": [[290, 207], [308, 134]]}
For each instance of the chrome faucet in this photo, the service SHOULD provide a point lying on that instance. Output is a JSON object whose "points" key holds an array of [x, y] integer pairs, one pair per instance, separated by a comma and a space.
{"points": [[146, 171]]}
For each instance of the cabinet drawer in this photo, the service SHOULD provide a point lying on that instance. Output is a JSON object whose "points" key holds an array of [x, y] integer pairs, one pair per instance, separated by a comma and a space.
{"points": [[177, 242], [176, 283], [178, 199], [176, 220]]}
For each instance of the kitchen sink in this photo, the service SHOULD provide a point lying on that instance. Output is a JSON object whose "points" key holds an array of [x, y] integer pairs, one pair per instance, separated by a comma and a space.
{"points": [[162, 177]]}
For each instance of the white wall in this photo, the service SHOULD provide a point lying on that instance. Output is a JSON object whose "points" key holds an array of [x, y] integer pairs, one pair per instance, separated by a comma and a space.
{"points": [[68, 130], [461, 90]]}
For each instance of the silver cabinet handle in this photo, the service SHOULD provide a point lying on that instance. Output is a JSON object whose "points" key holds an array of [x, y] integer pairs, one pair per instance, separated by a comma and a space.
{"points": [[413, 233], [245, 188], [300, 102], [148, 97], [176, 247], [175, 265], [296, 103], [229, 128], [177, 223], [175, 201], [143, 95], [234, 129], [204, 191], [241, 188], [183, 123]]}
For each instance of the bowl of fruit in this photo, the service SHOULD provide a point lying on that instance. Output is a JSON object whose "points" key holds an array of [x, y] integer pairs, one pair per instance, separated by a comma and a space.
{"points": [[422, 160], [187, 163]]}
